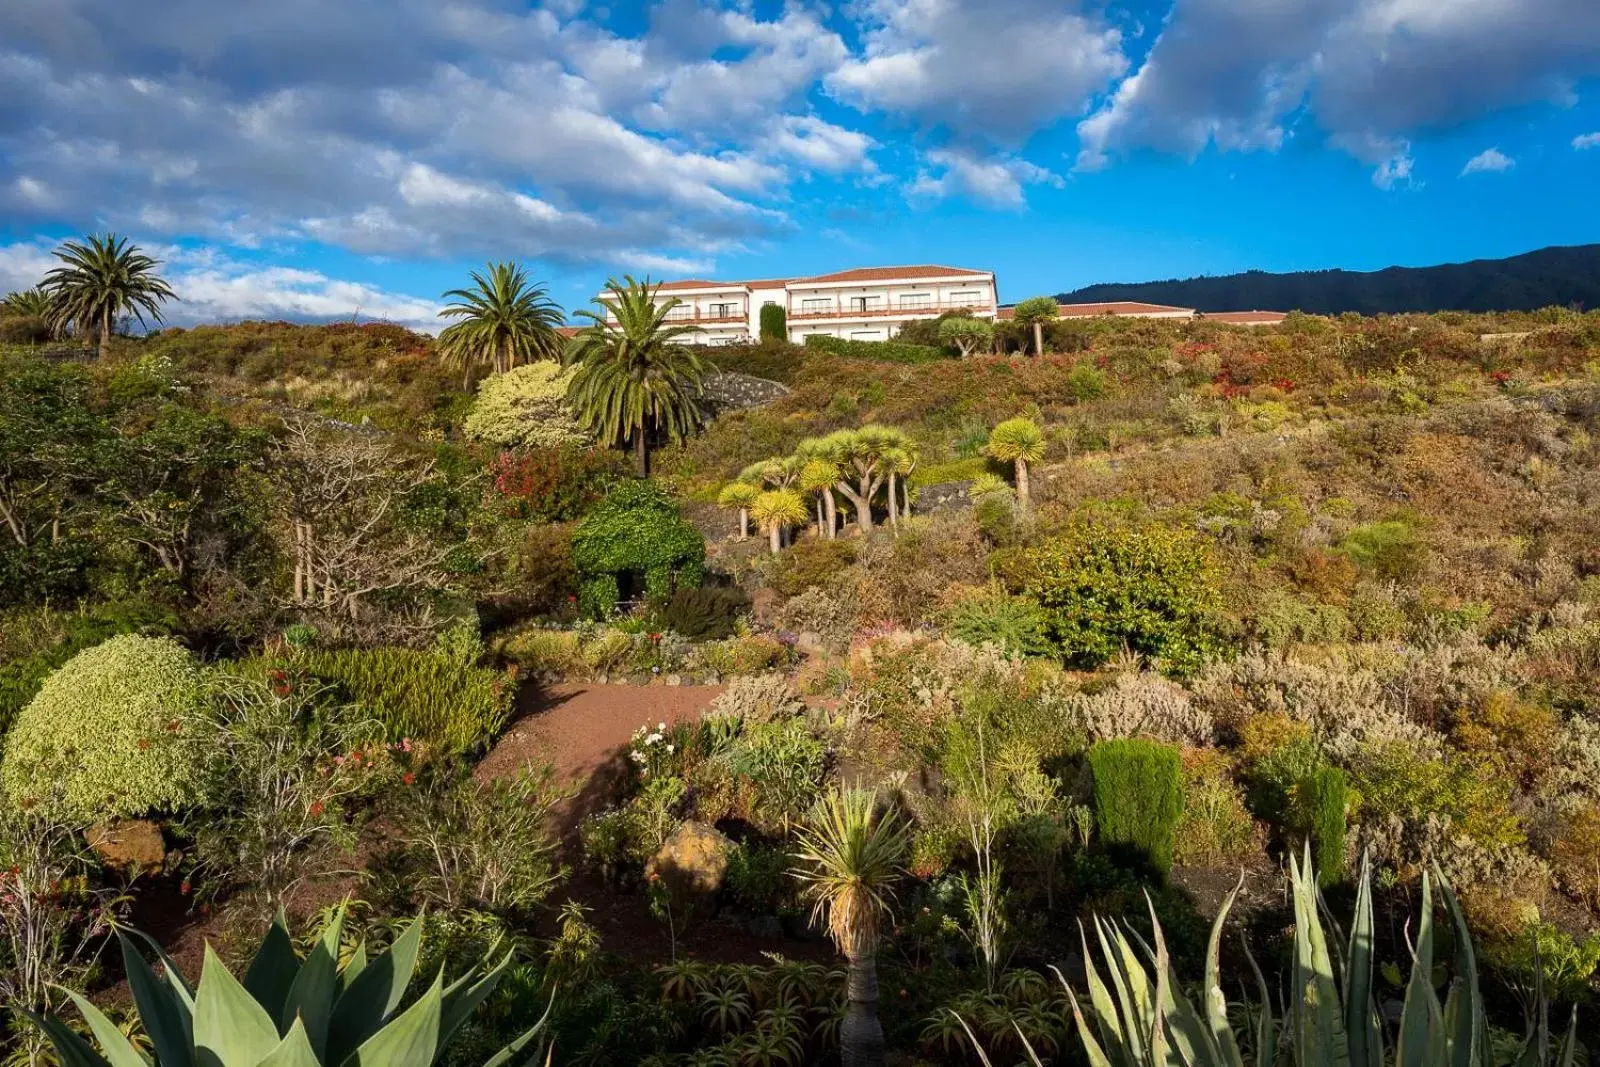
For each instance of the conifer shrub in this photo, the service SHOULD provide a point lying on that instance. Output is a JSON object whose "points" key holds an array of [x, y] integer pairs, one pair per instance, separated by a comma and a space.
{"points": [[109, 734], [705, 614], [428, 696], [1138, 798], [1321, 800], [774, 323]]}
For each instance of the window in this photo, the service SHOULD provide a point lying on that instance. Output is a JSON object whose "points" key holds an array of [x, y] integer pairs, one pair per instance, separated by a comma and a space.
{"points": [[916, 300], [680, 313], [816, 305], [866, 335], [864, 303], [966, 297], [724, 311]]}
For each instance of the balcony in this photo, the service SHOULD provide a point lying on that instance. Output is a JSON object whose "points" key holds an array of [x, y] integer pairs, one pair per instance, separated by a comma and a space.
{"points": [[707, 319], [889, 312]]}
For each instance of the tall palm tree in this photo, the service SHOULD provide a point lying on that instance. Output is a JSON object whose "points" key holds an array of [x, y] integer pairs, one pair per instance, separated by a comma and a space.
{"points": [[502, 319], [102, 278], [26, 303], [1020, 443], [634, 377], [851, 857]]}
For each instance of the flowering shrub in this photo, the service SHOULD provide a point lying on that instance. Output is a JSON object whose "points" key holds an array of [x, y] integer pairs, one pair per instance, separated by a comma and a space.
{"points": [[554, 484], [109, 735], [526, 407]]}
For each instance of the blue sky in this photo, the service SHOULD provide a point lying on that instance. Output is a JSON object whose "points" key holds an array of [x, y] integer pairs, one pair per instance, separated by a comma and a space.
{"points": [[314, 160]]}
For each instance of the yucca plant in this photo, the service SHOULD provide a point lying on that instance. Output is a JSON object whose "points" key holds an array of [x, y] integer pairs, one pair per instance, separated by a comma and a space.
{"points": [[289, 1011], [1021, 443]]}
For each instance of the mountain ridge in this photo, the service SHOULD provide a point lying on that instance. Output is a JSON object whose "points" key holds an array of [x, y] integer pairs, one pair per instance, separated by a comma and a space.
{"points": [[1559, 275]]}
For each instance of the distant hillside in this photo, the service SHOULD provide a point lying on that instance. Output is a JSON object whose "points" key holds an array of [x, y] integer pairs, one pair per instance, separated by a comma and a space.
{"points": [[1550, 276]]}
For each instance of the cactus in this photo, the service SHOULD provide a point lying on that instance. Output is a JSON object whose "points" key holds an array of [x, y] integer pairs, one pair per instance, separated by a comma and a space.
{"points": [[288, 1011]]}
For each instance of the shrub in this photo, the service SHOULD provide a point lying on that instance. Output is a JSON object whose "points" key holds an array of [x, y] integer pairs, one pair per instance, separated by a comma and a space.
{"points": [[1395, 781], [705, 614], [1216, 828], [1141, 703], [1321, 800], [637, 530], [525, 407], [109, 735], [832, 618], [1152, 589], [452, 706], [1015, 624], [555, 484], [758, 699], [1086, 383], [809, 564], [758, 878], [1392, 549], [774, 323], [885, 351], [1138, 797]]}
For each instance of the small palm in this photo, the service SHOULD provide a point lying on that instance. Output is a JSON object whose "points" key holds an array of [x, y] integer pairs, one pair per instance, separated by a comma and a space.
{"points": [[503, 319]]}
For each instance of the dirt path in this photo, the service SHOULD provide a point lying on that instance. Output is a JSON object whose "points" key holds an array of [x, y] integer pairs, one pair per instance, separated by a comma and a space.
{"points": [[583, 732]]}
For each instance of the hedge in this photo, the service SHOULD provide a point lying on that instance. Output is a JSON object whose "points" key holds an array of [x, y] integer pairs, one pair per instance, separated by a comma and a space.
{"points": [[882, 351], [1138, 797]]}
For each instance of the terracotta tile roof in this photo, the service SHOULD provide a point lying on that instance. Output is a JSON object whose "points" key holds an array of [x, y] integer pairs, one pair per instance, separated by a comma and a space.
{"points": [[697, 283], [1120, 307], [569, 331], [878, 274], [767, 283], [1246, 318]]}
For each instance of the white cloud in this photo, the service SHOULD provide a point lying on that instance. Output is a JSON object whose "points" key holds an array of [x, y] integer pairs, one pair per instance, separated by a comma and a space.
{"points": [[1247, 75], [998, 181], [1489, 161], [1586, 140], [996, 70], [821, 146]]}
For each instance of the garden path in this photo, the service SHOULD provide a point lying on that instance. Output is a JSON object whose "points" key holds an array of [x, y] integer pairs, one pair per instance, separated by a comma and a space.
{"points": [[583, 730]]}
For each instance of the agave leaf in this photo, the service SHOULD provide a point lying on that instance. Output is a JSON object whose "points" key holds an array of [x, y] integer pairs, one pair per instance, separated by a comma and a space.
{"points": [[293, 1051], [73, 1050], [1266, 1031], [1466, 1027], [371, 997], [460, 1003], [504, 1056], [1568, 1053], [410, 1040], [1135, 1033], [1421, 1020], [1091, 1048], [1107, 1020], [118, 1050], [230, 1028], [1181, 1027], [1361, 1023], [310, 996], [273, 970], [1130, 975], [983, 1057], [1158, 1028], [351, 971], [174, 977], [165, 1010], [1223, 1046]]}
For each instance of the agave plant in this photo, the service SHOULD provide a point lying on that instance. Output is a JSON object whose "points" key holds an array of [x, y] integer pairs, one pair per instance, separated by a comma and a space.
{"points": [[288, 1011], [1140, 1018]]}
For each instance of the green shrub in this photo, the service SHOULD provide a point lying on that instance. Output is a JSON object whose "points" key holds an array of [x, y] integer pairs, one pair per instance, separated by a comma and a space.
{"points": [[1086, 383], [809, 564], [1138, 797], [1015, 623], [883, 351], [110, 734], [774, 323], [437, 699], [525, 407], [1392, 549], [1395, 780], [705, 614], [1153, 589], [637, 530], [1321, 800], [1216, 828], [758, 878]]}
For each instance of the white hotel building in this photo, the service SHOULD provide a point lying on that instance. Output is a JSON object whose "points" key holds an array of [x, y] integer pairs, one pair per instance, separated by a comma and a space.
{"points": [[866, 304]]}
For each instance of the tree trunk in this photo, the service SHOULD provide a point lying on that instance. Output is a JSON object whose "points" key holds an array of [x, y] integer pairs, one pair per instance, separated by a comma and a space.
{"points": [[816, 508], [744, 524], [861, 1034], [894, 506], [1024, 498], [1038, 338], [105, 332], [775, 536], [641, 452], [864, 504], [831, 510]]}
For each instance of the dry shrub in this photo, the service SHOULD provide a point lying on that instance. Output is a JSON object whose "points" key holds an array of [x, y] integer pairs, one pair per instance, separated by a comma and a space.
{"points": [[758, 699], [1143, 704], [1515, 737], [903, 580], [1216, 828], [1575, 854]]}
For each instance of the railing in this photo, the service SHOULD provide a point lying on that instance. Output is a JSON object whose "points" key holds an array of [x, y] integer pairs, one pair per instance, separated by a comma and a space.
{"points": [[694, 320], [877, 312]]}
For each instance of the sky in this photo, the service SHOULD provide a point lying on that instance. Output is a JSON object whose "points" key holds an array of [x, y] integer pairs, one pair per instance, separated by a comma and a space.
{"points": [[339, 159]]}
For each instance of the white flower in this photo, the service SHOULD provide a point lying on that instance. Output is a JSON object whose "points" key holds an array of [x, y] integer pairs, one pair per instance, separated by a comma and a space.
{"points": [[669, 750], [661, 726]]}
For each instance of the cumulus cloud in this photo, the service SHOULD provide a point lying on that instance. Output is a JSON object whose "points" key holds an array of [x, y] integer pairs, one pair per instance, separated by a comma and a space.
{"points": [[1244, 74], [1586, 140], [1489, 161], [996, 181], [996, 70]]}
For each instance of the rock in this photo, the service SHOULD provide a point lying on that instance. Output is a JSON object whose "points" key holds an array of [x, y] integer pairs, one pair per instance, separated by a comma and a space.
{"points": [[809, 644], [134, 846], [693, 861], [674, 679]]}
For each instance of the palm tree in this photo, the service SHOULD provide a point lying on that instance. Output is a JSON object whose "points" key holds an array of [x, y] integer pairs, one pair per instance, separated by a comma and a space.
{"points": [[851, 856], [26, 303], [817, 476], [502, 319], [775, 511], [1036, 311], [1019, 442], [634, 377], [101, 279], [738, 496]]}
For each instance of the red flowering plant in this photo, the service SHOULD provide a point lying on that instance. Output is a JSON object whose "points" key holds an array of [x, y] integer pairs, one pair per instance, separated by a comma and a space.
{"points": [[54, 914], [289, 770]]}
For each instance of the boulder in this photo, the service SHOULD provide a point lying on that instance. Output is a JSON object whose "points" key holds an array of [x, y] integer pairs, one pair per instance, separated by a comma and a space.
{"points": [[134, 846], [693, 862]]}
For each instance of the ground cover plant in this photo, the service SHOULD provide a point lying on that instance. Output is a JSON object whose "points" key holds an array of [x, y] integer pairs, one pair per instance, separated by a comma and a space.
{"points": [[884, 685]]}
